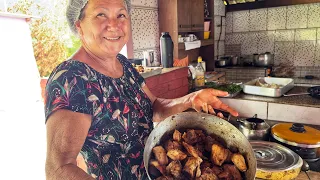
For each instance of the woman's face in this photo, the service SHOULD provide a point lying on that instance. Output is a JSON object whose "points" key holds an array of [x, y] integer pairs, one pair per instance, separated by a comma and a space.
{"points": [[105, 27]]}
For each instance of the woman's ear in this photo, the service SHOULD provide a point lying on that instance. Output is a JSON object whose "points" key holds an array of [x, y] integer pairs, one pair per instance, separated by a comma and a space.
{"points": [[78, 27]]}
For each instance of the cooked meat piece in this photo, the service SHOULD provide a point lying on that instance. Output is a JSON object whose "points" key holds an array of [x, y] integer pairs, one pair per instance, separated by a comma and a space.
{"points": [[204, 165], [177, 135], [225, 175], [176, 155], [174, 168], [218, 154], [191, 167], [201, 135], [198, 171], [216, 170], [157, 165], [239, 161], [209, 142], [190, 137], [170, 145], [160, 154], [200, 146], [207, 174], [228, 160], [191, 150], [233, 171], [165, 178]]}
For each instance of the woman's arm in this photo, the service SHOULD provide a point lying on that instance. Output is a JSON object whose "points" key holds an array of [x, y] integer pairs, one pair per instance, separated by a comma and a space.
{"points": [[205, 100], [66, 133]]}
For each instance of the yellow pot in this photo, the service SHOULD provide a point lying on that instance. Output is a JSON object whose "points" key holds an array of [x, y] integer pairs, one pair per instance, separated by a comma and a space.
{"points": [[278, 175]]}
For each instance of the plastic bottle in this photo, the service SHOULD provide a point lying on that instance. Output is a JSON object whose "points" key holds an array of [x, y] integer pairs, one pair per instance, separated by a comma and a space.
{"points": [[166, 50], [199, 82]]}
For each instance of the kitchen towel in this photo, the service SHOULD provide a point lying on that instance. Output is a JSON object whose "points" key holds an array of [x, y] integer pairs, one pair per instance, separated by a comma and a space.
{"points": [[192, 45]]}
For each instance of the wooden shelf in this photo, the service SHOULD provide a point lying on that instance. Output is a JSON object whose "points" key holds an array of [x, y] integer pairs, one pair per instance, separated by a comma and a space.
{"points": [[204, 42]]}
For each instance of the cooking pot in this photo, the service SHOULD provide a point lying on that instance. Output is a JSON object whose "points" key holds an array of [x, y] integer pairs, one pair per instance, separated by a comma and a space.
{"points": [[263, 60], [303, 140], [254, 128], [223, 62], [211, 125]]}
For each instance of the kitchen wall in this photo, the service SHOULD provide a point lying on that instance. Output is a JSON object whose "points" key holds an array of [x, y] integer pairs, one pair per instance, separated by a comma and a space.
{"points": [[292, 33], [145, 27], [220, 28]]}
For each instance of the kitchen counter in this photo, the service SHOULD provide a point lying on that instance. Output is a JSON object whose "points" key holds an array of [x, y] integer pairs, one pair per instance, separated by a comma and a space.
{"points": [[302, 100], [312, 175]]}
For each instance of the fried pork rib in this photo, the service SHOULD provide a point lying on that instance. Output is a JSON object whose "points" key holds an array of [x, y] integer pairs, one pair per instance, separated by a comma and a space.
{"points": [[165, 178], [157, 165], [232, 169], [176, 155], [218, 154], [207, 174], [170, 145], [192, 151], [225, 175], [216, 170], [174, 168], [191, 137], [160, 154], [177, 136], [209, 142], [239, 162], [192, 167]]}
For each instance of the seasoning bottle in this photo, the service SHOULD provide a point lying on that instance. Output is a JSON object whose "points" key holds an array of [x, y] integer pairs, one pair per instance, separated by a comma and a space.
{"points": [[199, 82]]}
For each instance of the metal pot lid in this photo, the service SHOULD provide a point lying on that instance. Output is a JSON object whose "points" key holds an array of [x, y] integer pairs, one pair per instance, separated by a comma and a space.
{"points": [[296, 134], [273, 157]]}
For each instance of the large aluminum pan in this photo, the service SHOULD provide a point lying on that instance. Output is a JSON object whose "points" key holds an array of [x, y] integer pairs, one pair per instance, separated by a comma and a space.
{"points": [[211, 125], [286, 85]]}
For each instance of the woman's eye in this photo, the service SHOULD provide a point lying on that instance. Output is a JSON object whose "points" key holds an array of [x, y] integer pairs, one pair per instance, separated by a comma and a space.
{"points": [[101, 14], [121, 16]]}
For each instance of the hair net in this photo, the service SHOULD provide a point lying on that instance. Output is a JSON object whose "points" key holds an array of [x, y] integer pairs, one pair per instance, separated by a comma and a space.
{"points": [[74, 11]]}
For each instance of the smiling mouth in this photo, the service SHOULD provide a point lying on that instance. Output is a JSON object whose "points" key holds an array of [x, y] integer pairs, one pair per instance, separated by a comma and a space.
{"points": [[112, 38]]}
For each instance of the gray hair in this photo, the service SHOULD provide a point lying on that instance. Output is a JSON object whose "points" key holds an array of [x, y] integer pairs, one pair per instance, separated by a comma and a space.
{"points": [[75, 12]]}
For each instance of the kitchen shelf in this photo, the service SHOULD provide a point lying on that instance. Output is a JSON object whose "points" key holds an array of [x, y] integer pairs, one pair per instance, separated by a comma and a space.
{"points": [[204, 42]]}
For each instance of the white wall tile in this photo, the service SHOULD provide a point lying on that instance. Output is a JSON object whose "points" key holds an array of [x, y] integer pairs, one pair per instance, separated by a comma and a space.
{"points": [[250, 44], [147, 3], [217, 33], [217, 21], [284, 35], [220, 51], [258, 20], [284, 53], [247, 108], [241, 21], [145, 28], [314, 15], [277, 18], [317, 59], [235, 38], [306, 34], [297, 16], [304, 53], [219, 8], [291, 113], [266, 41], [318, 34], [229, 22]]}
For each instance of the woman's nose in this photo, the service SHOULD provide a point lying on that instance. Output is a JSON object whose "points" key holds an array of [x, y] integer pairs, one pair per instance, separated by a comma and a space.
{"points": [[113, 24]]}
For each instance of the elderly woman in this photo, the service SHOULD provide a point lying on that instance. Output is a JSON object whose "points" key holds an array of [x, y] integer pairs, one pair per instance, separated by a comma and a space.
{"points": [[99, 105]]}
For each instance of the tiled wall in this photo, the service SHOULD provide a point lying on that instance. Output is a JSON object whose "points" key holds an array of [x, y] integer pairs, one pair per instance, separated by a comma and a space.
{"points": [[242, 75], [145, 27], [219, 12], [292, 33]]}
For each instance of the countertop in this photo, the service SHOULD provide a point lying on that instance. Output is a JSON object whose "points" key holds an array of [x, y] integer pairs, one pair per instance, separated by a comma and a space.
{"points": [[302, 100], [312, 175]]}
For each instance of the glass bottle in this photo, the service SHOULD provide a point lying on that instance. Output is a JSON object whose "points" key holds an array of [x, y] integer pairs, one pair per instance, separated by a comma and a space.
{"points": [[199, 82]]}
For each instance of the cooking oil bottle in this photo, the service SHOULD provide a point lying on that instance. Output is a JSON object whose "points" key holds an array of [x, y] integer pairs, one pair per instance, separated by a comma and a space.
{"points": [[199, 82]]}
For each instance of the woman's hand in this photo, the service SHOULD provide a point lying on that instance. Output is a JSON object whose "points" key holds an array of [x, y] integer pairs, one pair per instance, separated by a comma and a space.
{"points": [[206, 100]]}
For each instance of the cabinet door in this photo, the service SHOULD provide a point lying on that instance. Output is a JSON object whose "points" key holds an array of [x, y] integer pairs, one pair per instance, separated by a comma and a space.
{"points": [[197, 17], [184, 15]]}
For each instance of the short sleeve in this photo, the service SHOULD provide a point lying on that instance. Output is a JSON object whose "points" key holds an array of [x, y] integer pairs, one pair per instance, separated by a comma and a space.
{"points": [[68, 88], [136, 75]]}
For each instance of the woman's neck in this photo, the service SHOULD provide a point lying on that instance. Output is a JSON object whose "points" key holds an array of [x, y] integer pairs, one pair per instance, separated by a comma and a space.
{"points": [[108, 65]]}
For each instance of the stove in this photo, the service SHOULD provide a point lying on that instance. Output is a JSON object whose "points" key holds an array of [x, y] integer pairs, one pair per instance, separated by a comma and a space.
{"points": [[314, 165]]}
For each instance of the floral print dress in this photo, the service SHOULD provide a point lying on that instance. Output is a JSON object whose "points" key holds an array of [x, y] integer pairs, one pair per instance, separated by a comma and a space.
{"points": [[121, 116]]}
